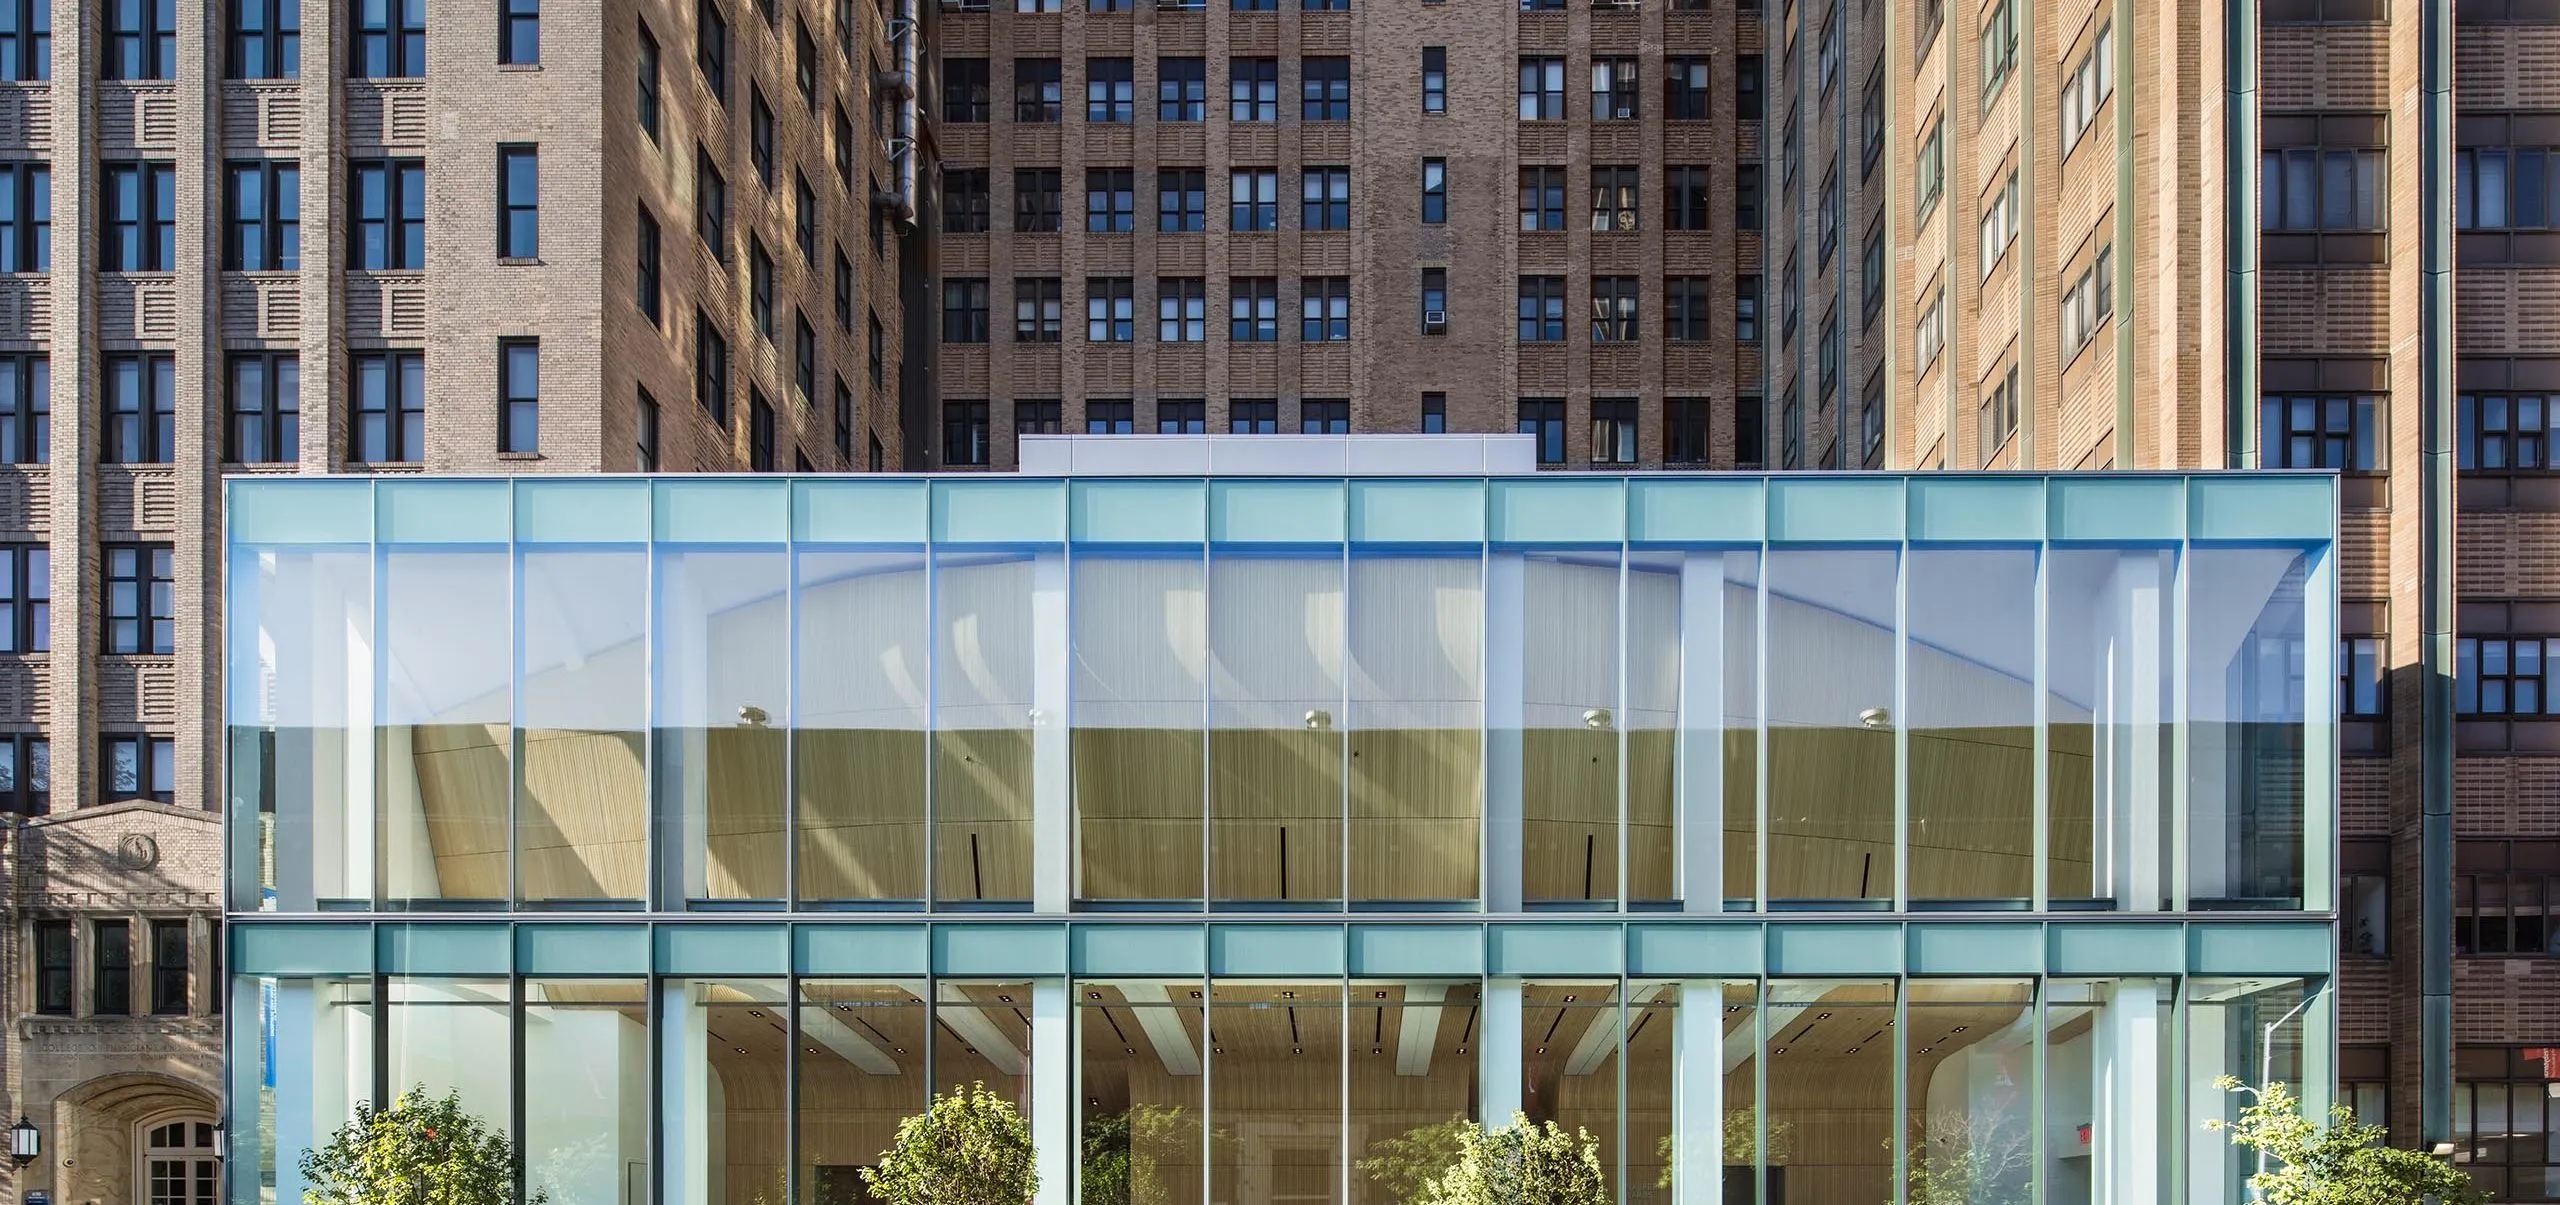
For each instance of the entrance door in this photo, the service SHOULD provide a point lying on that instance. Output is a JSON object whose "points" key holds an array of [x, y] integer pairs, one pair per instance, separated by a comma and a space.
{"points": [[178, 1164]]}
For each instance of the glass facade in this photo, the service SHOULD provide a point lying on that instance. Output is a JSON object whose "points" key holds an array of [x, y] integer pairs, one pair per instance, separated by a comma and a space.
{"points": [[1800, 838]]}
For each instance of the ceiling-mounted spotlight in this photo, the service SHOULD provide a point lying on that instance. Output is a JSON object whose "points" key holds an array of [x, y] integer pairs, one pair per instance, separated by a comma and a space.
{"points": [[1876, 719], [1319, 720], [1597, 717], [752, 716]]}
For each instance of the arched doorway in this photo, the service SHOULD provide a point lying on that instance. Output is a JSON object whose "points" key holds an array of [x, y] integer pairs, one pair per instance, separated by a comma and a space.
{"points": [[178, 1164]]}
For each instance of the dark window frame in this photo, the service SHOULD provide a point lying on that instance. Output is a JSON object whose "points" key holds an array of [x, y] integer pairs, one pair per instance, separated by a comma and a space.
{"points": [[150, 225], [154, 763], [519, 201], [400, 421], [139, 585], [519, 399], [141, 425], [394, 48], [27, 789], [145, 52], [265, 428], [257, 234], [520, 32], [400, 229], [268, 47], [26, 408], [26, 598]]}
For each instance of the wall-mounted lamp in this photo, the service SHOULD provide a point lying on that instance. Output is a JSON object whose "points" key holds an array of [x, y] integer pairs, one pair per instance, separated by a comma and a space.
{"points": [[1319, 720], [24, 1142], [2442, 1150], [1875, 719], [1597, 717], [752, 716]]}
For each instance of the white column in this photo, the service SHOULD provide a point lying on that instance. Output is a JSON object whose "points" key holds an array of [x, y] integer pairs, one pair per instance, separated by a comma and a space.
{"points": [[1052, 807], [1697, 1094], [297, 1084], [2133, 727], [2126, 1136], [1498, 1053], [2210, 1176], [1506, 641], [1702, 718], [1053, 1092], [684, 1097]]}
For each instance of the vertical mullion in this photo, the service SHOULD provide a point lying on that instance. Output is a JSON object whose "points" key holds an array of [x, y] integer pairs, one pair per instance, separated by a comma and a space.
{"points": [[516, 991]]}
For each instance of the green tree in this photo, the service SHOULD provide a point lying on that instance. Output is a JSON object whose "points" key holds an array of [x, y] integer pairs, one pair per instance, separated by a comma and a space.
{"points": [[969, 1147], [2343, 1163], [423, 1150], [1521, 1164], [1403, 1166], [1741, 1143], [1123, 1158]]}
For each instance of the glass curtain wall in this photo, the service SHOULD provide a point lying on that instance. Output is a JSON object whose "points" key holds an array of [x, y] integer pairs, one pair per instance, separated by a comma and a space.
{"points": [[586, 1090], [1831, 624], [858, 736], [1140, 749], [1278, 727], [1141, 1077], [444, 749], [2110, 639], [862, 1071], [1417, 643], [1969, 674], [2246, 611], [583, 715], [1567, 735], [1831, 1058], [1276, 1093], [723, 701], [301, 708], [1411, 1073], [986, 723]]}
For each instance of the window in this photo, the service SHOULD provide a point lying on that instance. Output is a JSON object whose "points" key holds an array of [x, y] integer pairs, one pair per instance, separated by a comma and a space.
{"points": [[1110, 93], [964, 201], [964, 91], [142, 409], [844, 290], [2317, 188], [26, 604], [964, 309], [142, 218], [711, 48], [391, 39], [2501, 1118], [1871, 420], [142, 40], [2501, 675], [1035, 200], [1542, 309], [804, 217], [1110, 201], [804, 356], [844, 421], [1324, 309], [760, 287], [1790, 153], [55, 965], [1109, 417], [1828, 221], [519, 202], [1613, 198], [1871, 279], [1750, 433], [1684, 430], [1932, 168], [1747, 98], [142, 605], [169, 965], [1182, 309], [2088, 303], [1110, 310], [2502, 432], [1324, 416], [1790, 432], [2504, 188], [2321, 432], [1544, 417], [1998, 49], [2088, 85], [111, 941], [391, 408], [26, 775], [1182, 199], [648, 287], [1253, 310], [1335, 6], [645, 73], [519, 396], [26, 216], [1035, 309], [2502, 899], [262, 229], [964, 433], [1871, 124], [266, 38], [1435, 301], [760, 136], [710, 369], [1253, 416], [1746, 309], [711, 205], [875, 350], [1790, 300], [1685, 89], [1253, 199], [1182, 89], [1746, 196], [1613, 309], [1828, 355], [1039, 417], [1253, 89], [1613, 89], [265, 409], [2364, 667], [1435, 413], [645, 439], [1827, 52], [1182, 416], [2000, 216], [1999, 414], [1325, 198], [1541, 198], [1324, 89], [520, 41], [1687, 308], [760, 432], [1929, 337], [390, 201], [1435, 79], [1541, 87], [1036, 95], [1613, 430], [26, 39], [26, 409], [1435, 192], [1687, 198]]}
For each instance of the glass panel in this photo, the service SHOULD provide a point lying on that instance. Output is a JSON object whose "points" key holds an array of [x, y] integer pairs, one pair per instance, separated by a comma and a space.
{"points": [[450, 1035], [1276, 740], [862, 1061], [1969, 1055], [1736, 1133], [1417, 712], [1140, 1077], [586, 1089], [2245, 616], [581, 814], [1569, 733], [983, 719], [1652, 723], [1141, 652], [982, 1035], [723, 697], [1653, 1055], [1831, 723], [2246, 1028], [1569, 1063], [301, 675], [309, 1045], [1969, 660], [1275, 1093], [1831, 1058], [2099, 1036], [2108, 642], [725, 1066], [858, 730], [1413, 1084], [444, 741]]}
